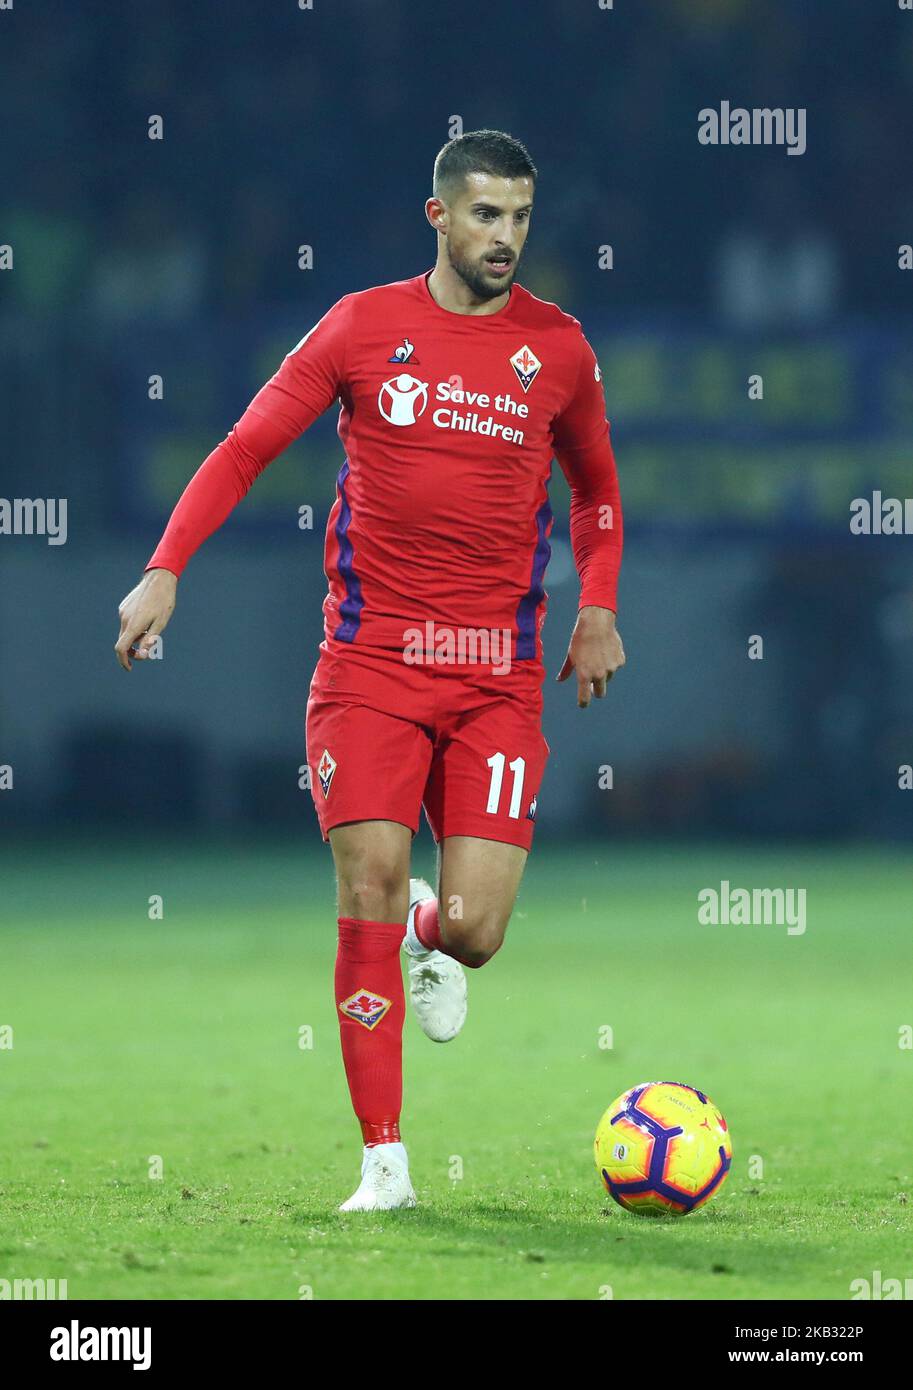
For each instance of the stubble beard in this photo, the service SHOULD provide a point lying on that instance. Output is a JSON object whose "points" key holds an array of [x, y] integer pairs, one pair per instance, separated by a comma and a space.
{"points": [[475, 279]]}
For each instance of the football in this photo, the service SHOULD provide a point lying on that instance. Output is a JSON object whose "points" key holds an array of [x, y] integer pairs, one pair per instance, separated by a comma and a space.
{"points": [[663, 1148]]}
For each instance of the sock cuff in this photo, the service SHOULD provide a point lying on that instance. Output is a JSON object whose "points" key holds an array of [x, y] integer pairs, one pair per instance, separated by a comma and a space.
{"points": [[364, 941], [386, 1131], [426, 924]]}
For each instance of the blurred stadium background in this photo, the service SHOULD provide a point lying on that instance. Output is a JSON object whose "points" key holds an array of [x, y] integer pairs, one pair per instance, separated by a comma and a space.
{"points": [[286, 127]]}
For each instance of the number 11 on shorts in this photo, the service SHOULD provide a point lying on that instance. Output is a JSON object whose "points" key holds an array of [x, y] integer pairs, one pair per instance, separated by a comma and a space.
{"points": [[518, 768]]}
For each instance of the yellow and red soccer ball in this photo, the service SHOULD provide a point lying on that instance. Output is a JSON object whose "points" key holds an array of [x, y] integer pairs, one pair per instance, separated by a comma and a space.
{"points": [[663, 1148]]}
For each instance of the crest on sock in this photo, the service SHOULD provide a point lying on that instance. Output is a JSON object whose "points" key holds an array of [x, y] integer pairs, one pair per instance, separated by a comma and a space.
{"points": [[366, 1007]]}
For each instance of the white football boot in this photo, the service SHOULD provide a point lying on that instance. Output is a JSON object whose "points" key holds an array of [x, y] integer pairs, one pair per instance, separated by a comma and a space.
{"points": [[385, 1182], [437, 983]]}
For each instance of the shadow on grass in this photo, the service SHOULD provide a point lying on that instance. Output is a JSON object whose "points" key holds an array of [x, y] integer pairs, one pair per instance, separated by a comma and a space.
{"points": [[718, 1242]]}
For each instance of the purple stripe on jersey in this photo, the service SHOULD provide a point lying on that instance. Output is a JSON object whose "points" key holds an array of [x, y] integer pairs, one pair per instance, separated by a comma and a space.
{"points": [[353, 603], [528, 607]]}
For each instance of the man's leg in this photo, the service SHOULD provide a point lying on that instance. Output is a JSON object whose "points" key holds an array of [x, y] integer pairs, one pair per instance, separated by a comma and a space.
{"points": [[480, 801], [477, 887], [372, 870], [369, 751]]}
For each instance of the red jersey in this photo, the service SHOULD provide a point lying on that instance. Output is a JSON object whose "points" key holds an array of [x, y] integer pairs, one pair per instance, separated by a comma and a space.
{"points": [[449, 423]]}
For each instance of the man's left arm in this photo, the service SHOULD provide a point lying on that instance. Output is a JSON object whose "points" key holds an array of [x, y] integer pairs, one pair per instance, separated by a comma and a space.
{"points": [[583, 448]]}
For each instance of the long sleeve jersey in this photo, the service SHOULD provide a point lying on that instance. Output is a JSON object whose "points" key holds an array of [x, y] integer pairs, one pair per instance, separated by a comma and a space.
{"points": [[449, 423]]}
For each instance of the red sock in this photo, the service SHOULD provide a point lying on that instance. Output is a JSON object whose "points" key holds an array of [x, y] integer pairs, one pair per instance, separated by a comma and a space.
{"points": [[427, 925], [372, 1007]]}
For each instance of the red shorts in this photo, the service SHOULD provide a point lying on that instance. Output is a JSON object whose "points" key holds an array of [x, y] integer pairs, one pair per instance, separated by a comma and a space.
{"points": [[385, 738]]}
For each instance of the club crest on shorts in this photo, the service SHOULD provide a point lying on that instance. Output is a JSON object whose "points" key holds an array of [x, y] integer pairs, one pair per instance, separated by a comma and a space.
{"points": [[364, 1006], [527, 366], [531, 813], [325, 769]]}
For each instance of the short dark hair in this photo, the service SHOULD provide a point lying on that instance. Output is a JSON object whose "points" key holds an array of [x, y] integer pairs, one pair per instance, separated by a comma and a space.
{"points": [[480, 152]]}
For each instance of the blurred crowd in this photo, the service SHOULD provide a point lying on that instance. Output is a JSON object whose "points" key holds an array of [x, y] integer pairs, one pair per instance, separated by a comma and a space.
{"points": [[286, 127]]}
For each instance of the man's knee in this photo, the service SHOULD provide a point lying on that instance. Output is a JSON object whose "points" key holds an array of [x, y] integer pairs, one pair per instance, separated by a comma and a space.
{"points": [[373, 881], [474, 941], [373, 887], [373, 892]]}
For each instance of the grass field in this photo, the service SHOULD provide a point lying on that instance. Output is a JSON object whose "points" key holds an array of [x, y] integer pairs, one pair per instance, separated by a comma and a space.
{"points": [[179, 1038]]}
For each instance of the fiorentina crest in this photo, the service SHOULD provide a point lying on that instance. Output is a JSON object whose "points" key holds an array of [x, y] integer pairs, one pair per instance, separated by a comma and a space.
{"points": [[527, 366], [365, 1007], [325, 769]]}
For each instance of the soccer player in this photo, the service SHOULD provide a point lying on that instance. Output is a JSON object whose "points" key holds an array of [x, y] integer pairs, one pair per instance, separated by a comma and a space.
{"points": [[457, 388]]}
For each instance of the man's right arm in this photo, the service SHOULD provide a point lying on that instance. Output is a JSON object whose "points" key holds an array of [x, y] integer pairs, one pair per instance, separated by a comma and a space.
{"points": [[307, 382]]}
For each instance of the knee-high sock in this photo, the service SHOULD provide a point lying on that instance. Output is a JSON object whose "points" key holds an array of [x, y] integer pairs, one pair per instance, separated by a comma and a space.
{"points": [[371, 1006]]}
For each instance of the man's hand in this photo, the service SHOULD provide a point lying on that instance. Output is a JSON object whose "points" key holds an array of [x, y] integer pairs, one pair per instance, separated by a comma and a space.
{"points": [[595, 653], [143, 615]]}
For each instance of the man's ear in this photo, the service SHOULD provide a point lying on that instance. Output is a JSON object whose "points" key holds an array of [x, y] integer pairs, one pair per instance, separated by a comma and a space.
{"points": [[436, 213]]}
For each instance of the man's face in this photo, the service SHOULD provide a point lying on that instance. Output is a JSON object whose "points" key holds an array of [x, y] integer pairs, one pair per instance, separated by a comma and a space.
{"points": [[485, 227]]}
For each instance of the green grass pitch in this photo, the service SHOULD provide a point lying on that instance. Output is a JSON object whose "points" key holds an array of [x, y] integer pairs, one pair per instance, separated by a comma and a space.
{"points": [[178, 1039]]}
